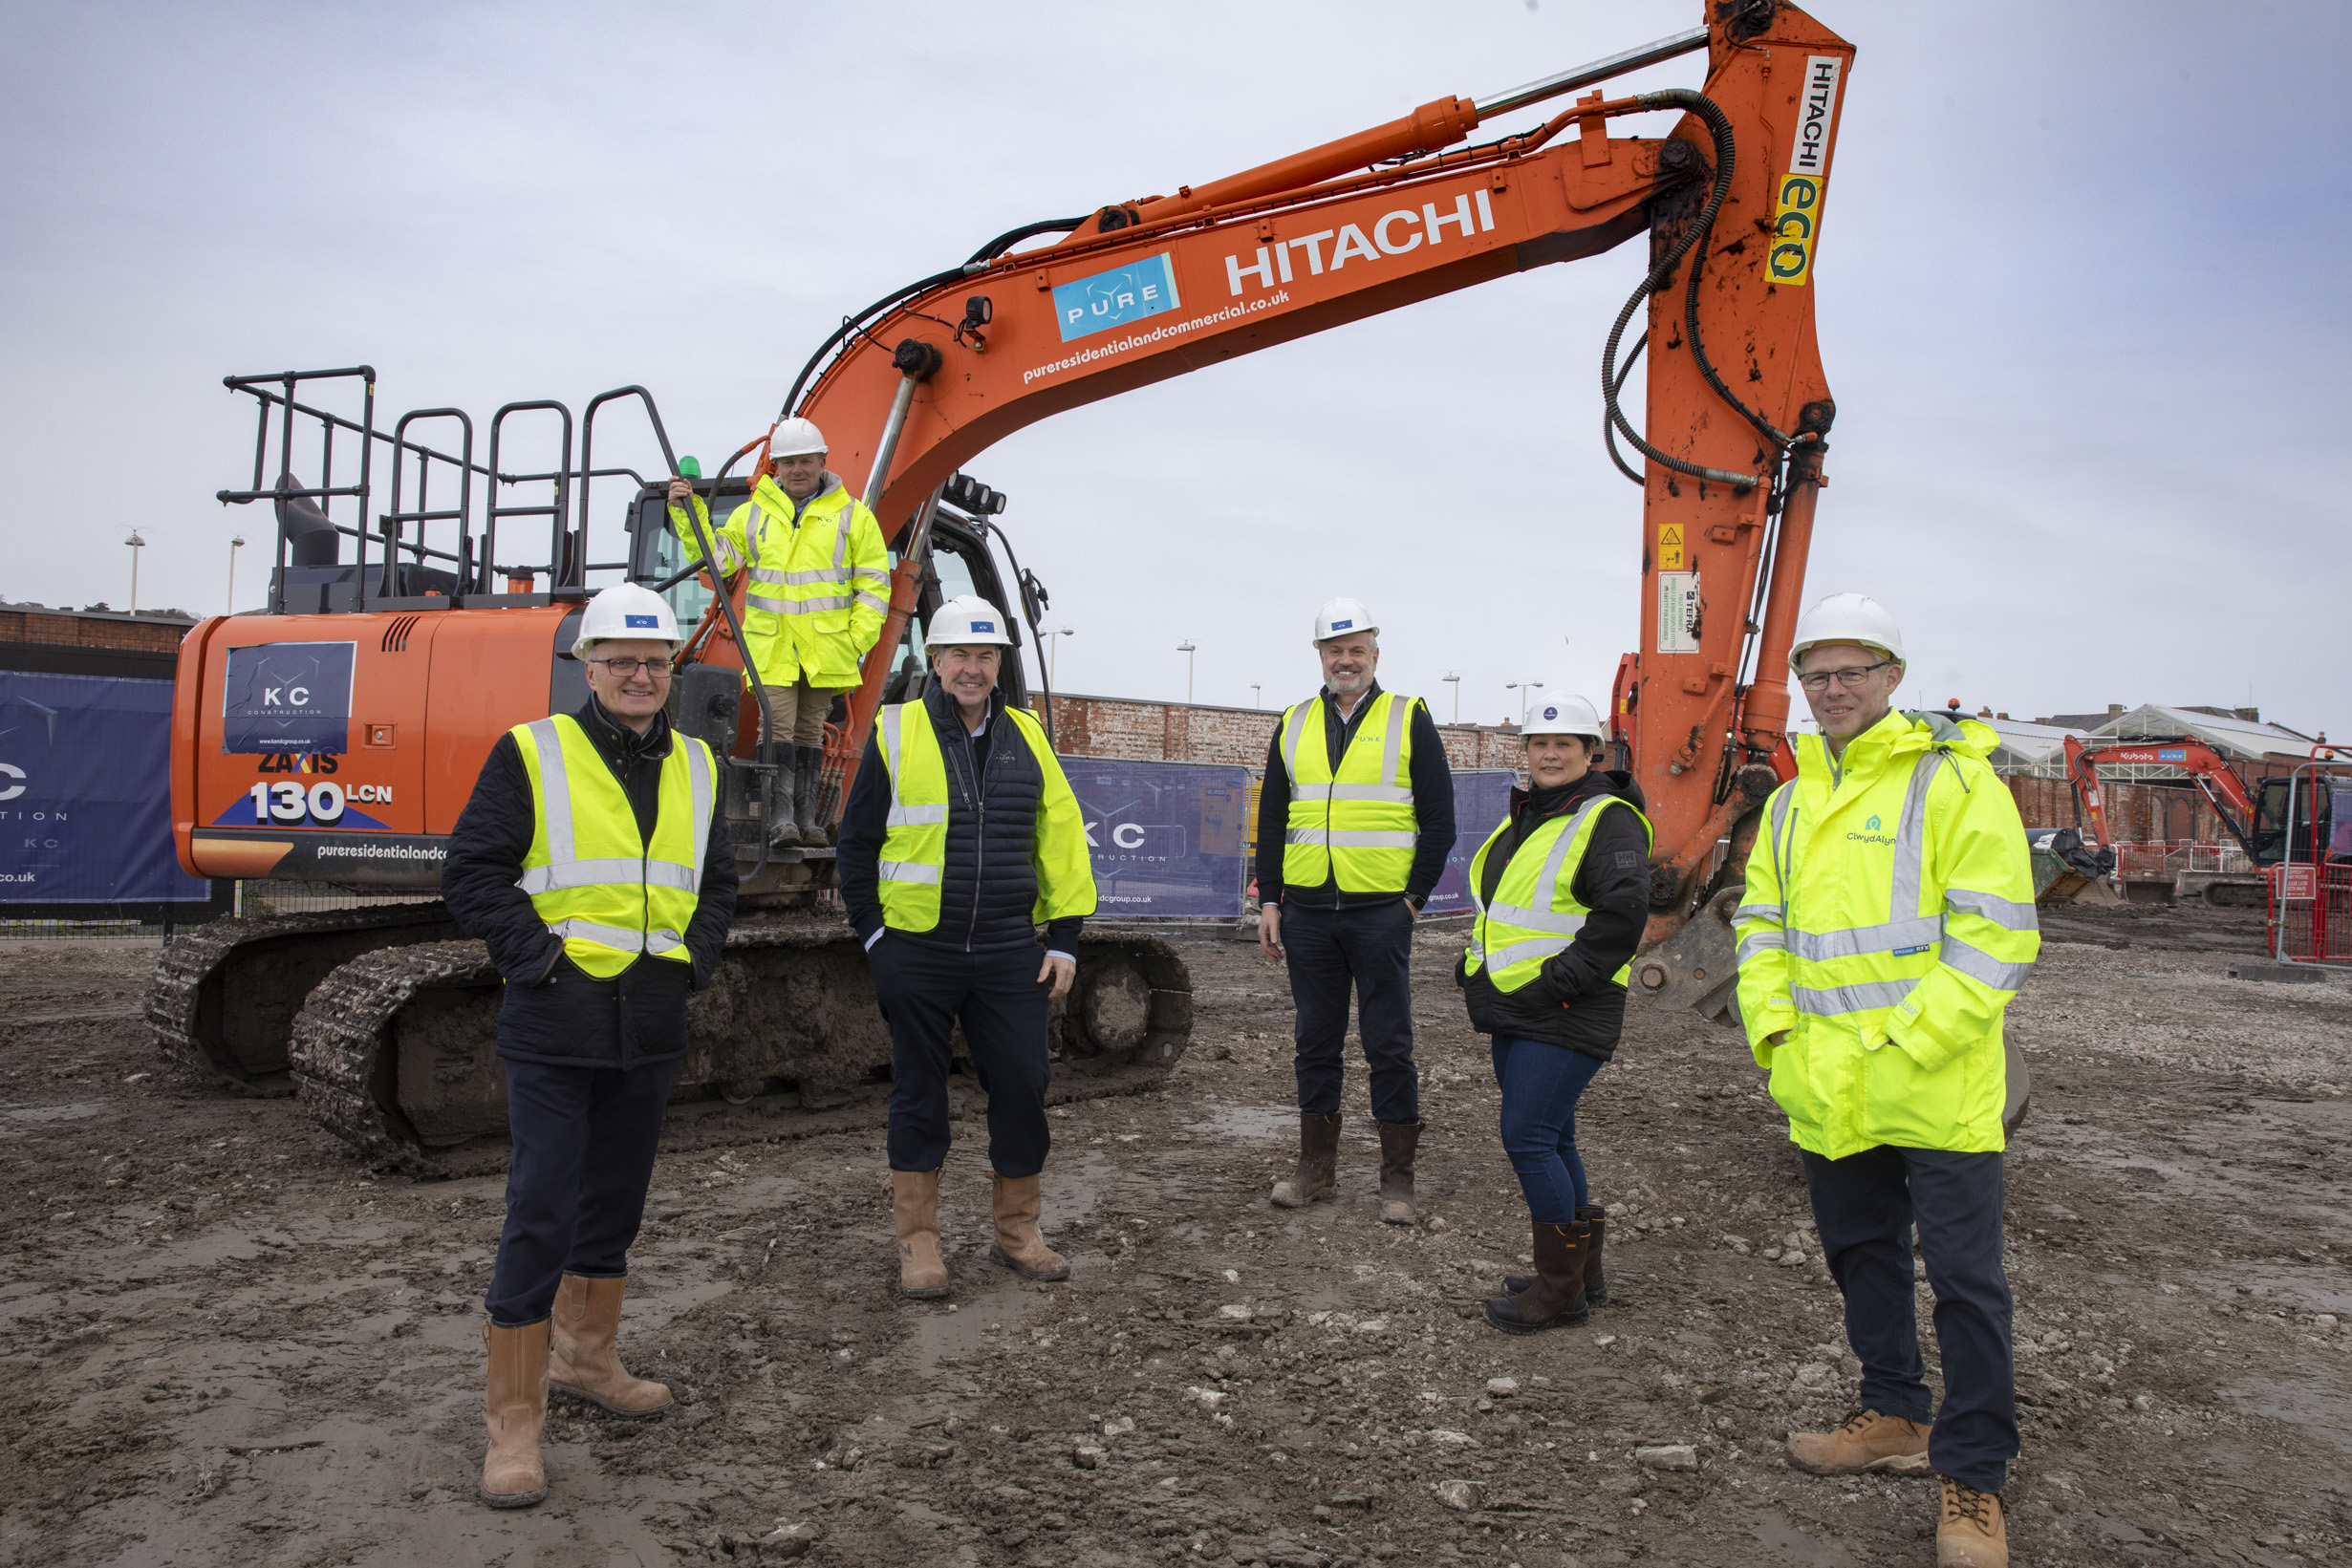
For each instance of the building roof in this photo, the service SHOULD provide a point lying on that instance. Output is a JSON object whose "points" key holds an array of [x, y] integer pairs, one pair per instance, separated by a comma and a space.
{"points": [[101, 612], [2028, 747], [2246, 738]]}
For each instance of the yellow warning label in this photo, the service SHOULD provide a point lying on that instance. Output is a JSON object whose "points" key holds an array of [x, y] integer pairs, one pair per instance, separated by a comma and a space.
{"points": [[1670, 546]]}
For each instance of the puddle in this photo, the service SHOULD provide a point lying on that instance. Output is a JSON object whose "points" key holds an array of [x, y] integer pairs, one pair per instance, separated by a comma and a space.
{"points": [[1246, 1121], [74, 1112], [2325, 1416]]}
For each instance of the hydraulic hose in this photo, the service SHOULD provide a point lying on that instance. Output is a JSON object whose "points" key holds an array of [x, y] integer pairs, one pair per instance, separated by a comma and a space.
{"points": [[1719, 128], [979, 262], [1608, 429]]}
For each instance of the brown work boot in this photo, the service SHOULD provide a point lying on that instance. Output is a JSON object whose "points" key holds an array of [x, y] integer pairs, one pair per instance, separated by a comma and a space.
{"points": [[1556, 1300], [1970, 1529], [1018, 1245], [516, 1411], [1595, 1220], [582, 1363], [1864, 1441], [914, 1214], [1397, 1142], [1317, 1177]]}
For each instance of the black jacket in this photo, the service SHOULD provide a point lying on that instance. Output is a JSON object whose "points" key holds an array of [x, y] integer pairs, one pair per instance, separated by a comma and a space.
{"points": [[988, 887], [1433, 812], [554, 1011], [1572, 1001]]}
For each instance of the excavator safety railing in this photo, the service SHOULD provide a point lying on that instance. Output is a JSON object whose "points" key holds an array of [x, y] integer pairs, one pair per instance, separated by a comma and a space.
{"points": [[399, 566]]}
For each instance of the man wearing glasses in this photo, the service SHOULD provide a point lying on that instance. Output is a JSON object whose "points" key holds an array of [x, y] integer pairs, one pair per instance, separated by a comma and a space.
{"points": [[819, 591], [1887, 920], [594, 862]]}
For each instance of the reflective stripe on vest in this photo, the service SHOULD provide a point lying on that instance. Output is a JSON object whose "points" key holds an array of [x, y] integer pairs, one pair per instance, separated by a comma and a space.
{"points": [[1510, 941], [1905, 933], [1356, 825], [581, 886]]}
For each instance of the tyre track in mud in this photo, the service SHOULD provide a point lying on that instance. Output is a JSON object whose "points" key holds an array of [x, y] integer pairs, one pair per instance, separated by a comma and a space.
{"points": [[230, 1342]]}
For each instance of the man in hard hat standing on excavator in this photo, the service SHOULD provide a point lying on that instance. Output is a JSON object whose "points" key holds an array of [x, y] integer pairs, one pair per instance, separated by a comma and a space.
{"points": [[962, 839], [1353, 825], [1887, 920], [592, 860], [819, 592]]}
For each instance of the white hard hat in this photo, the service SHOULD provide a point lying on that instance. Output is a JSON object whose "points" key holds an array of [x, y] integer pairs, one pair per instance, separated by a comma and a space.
{"points": [[1563, 715], [967, 619], [622, 612], [1341, 616], [1846, 618], [796, 437]]}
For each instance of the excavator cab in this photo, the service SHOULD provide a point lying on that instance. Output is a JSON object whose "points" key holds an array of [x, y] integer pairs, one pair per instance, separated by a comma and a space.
{"points": [[2312, 815]]}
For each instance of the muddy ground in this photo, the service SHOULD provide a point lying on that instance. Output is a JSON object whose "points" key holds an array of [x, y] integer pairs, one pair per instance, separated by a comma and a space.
{"points": [[225, 1342]]}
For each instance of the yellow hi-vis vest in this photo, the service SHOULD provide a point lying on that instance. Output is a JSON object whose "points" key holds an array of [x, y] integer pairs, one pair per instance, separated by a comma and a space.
{"points": [[913, 852], [1889, 901], [590, 875], [1535, 913], [819, 589], [1355, 825]]}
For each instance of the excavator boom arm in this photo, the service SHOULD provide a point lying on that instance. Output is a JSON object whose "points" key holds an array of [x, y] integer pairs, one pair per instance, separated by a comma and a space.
{"points": [[1152, 288]]}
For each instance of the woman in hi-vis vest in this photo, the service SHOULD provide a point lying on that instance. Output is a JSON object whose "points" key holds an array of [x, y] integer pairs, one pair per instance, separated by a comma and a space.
{"points": [[1562, 893]]}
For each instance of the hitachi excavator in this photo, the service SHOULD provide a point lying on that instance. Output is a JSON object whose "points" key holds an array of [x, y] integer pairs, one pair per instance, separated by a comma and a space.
{"points": [[336, 737]]}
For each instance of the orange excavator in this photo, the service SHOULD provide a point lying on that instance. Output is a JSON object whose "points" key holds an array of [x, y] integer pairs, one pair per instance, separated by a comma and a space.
{"points": [[336, 737]]}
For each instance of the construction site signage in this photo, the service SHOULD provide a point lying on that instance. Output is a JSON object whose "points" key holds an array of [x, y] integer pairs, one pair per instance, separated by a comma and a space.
{"points": [[1165, 838], [1797, 201], [288, 697], [85, 792], [1115, 298]]}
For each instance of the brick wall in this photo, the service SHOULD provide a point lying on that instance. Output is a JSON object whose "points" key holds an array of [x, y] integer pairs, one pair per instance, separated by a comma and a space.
{"points": [[2140, 813], [1108, 726], [71, 629]]}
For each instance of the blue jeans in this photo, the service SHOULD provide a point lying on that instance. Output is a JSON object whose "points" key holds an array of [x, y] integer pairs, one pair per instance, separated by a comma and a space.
{"points": [[1868, 1207], [1541, 1085]]}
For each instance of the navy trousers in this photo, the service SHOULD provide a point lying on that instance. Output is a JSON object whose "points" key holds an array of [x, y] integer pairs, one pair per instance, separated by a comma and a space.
{"points": [[1367, 951], [584, 1144], [925, 990], [1868, 1206], [1540, 1084]]}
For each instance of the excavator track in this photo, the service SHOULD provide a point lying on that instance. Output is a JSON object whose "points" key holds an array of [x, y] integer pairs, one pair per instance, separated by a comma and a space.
{"points": [[395, 1050], [223, 996]]}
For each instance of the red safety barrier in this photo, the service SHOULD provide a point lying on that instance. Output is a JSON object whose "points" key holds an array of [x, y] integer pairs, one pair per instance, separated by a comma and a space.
{"points": [[2311, 913]]}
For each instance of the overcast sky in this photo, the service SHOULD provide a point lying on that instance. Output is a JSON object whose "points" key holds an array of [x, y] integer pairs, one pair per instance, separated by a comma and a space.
{"points": [[2080, 291]]}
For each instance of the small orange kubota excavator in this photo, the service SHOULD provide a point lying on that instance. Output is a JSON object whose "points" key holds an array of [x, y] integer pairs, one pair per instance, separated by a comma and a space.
{"points": [[385, 1023]]}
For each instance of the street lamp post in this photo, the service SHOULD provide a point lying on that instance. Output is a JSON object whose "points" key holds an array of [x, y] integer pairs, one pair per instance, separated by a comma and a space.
{"points": [[235, 544], [136, 545], [1255, 700], [1455, 682], [1053, 655], [1526, 689], [1186, 648]]}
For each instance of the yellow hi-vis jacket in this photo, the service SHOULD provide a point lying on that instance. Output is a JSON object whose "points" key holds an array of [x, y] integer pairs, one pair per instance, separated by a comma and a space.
{"points": [[820, 587], [1889, 902], [592, 876], [914, 854], [1535, 913], [1354, 827]]}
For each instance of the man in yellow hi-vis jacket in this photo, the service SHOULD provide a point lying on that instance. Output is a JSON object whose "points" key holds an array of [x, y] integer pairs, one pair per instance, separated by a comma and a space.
{"points": [[962, 839], [819, 591], [1887, 920]]}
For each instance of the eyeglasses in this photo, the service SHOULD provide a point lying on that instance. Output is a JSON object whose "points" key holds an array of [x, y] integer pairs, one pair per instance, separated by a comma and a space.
{"points": [[1850, 680], [656, 668]]}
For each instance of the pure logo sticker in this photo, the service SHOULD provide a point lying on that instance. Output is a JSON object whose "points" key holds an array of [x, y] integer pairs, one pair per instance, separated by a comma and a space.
{"points": [[1115, 298]]}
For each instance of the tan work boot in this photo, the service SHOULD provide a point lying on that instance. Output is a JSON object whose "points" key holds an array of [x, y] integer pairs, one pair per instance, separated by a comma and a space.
{"points": [[1397, 1142], [1971, 1529], [1018, 1245], [1864, 1441], [1317, 1177], [582, 1363], [914, 1214], [516, 1411]]}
